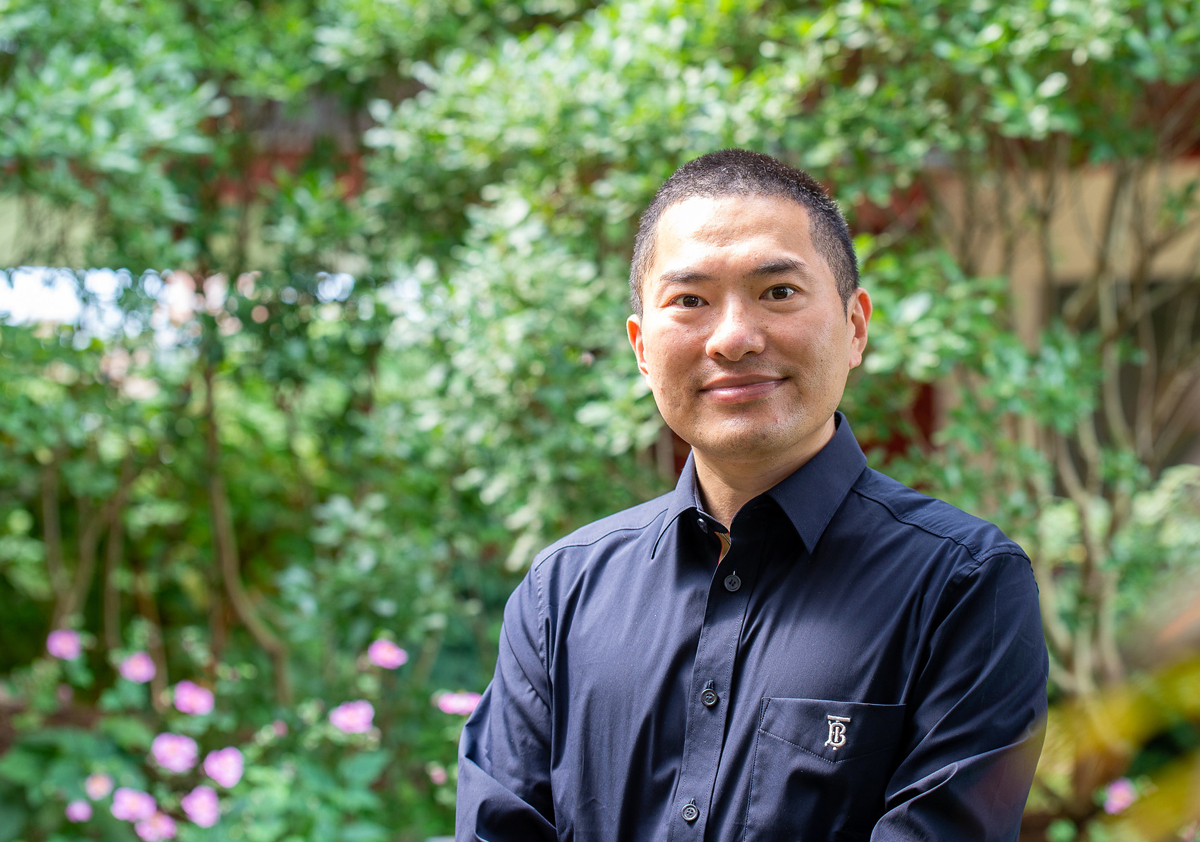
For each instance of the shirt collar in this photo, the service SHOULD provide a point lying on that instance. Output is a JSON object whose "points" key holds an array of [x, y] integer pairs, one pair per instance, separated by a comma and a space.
{"points": [[812, 495], [685, 498], [809, 497]]}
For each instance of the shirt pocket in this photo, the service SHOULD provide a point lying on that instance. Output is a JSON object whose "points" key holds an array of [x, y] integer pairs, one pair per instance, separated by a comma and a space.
{"points": [[820, 768]]}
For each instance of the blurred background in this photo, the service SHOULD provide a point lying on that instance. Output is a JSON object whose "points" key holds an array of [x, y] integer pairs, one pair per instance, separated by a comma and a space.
{"points": [[312, 334]]}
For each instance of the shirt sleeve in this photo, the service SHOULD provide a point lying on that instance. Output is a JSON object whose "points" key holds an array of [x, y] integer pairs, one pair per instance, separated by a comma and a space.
{"points": [[977, 715], [504, 753]]}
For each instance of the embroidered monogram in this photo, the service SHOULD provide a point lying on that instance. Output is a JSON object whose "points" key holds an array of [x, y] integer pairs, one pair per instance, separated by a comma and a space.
{"points": [[837, 731]]}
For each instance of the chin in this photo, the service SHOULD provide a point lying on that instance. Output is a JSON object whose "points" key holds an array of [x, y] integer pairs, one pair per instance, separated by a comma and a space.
{"points": [[745, 446]]}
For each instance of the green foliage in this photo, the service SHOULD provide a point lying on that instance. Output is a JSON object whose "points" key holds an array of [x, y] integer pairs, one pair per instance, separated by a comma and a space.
{"points": [[363, 352]]}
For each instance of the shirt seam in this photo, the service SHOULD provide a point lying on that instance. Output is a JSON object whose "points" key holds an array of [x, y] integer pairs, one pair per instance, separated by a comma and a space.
{"points": [[543, 603], [524, 672], [543, 608], [978, 554], [551, 553]]}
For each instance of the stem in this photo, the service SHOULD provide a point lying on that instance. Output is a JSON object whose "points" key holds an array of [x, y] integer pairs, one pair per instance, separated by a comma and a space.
{"points": [[148, 608], [92, 526], [112, 597], [225, 548], [1077, 306], [52, 530]]}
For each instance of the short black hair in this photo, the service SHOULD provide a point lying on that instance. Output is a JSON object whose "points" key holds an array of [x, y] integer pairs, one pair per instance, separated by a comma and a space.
{"points": [[740, 172]]}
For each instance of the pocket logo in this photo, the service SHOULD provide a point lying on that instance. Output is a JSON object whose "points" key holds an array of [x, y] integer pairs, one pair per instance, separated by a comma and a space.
{"points": [[837, 731]]}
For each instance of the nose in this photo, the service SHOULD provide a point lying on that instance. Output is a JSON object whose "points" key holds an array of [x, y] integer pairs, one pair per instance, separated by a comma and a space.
{"points": [[735, 334]]}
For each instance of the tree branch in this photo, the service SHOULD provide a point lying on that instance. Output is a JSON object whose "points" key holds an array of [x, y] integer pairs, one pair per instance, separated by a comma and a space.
{"points": [[1077, 306], [225, 549], [148, 607], [111, 599], [91, 527], [52, 530]]}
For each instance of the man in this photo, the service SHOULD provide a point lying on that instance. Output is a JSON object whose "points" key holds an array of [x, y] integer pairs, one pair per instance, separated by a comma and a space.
{"points": [[789, 646]]}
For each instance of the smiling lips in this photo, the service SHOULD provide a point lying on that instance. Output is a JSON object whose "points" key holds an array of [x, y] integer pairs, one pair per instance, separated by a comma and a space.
{"points": [[742, 388]]}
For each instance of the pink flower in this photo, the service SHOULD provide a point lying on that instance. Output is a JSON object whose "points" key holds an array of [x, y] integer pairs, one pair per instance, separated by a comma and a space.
{"points": [[156, 828], [64, 644], [1118, 795], [130, 805], [281, 729], [353, 717], [386, 654], [79, 811], [97, 786], [138, 668], [460, 703], [193, 699], [174, 752], [437, 774], [201, 806], [224, 766]]}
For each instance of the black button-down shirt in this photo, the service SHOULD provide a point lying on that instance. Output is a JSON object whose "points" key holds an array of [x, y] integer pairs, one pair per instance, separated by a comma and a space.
{"points": [[852, 661]]}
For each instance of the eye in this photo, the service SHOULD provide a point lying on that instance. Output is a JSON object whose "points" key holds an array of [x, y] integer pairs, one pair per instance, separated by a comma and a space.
{"points": [[688, 301], [780, 293]]}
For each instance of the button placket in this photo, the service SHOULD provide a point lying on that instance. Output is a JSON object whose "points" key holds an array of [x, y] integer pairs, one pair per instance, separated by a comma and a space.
{"points": [[704, 732]]}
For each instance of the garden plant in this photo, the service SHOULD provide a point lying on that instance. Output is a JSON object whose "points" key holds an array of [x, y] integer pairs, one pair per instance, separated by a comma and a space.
{"points": [[344, 347]]}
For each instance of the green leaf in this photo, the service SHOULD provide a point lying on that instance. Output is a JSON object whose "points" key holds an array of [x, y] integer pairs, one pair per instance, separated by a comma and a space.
{"points": [[21, 767], [361, 770], [128, 732], [12, 820], [364, 832]]}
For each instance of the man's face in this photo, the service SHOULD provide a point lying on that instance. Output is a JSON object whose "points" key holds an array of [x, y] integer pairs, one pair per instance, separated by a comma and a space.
{"points": [[743, 337]]}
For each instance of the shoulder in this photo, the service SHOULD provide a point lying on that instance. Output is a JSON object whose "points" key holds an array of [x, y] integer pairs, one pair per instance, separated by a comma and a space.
{"points": [[930, 523], [602, 537]]}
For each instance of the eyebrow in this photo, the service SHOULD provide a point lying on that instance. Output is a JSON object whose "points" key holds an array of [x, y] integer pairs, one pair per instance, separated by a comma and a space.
{"points": [[683, 276], [782, 266]]}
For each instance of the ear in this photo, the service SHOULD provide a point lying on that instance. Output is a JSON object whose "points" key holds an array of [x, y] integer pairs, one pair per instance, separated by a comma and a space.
{"points": [[858, 318], [633, 325]]}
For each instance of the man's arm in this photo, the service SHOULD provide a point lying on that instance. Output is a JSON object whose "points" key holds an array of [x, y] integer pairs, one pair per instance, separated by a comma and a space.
{"points": [[978, 716], [504, 753]]}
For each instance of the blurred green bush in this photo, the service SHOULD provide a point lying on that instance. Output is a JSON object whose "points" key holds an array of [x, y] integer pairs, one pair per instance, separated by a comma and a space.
{"points": [[361, 353]]}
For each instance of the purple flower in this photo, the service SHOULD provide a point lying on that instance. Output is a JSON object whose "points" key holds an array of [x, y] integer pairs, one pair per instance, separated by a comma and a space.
{"points": [[460, 703], [138, 668], [353, 717], [156, 828], [130, 805], [174, 752], [386, 654], [97, 786], [79, 811], [1118, 795], [201, 806], [64, 644], [224, 766], [193, 699]]}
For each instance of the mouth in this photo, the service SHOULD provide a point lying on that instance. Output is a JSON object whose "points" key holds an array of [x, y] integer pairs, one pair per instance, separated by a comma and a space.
{"points": [[740, 388]]}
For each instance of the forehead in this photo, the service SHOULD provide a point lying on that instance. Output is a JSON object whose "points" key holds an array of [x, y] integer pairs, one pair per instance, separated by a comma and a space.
{"points": [[731, 230]]}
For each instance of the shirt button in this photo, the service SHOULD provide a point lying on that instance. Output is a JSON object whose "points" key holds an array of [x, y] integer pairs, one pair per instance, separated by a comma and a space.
{"points": [[709, 698], [690, 813], [732, 582], [702, 523]]}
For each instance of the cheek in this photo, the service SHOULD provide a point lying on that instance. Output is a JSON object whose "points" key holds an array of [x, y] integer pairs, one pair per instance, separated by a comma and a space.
{"points": [[669, 351]]}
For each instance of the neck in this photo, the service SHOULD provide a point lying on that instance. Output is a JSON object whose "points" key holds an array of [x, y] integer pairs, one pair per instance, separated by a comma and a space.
{"points": [[726, 486]]}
